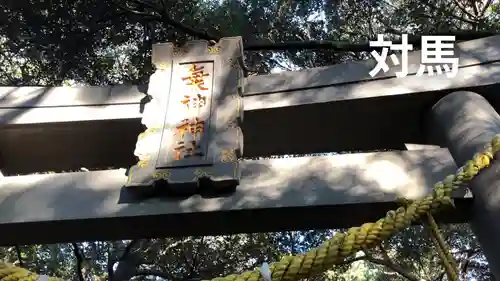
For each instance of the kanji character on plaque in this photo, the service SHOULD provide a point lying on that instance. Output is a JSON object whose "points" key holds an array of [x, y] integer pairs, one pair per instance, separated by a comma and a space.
{"points": [[196, 77], [194, 126], [186, 149], [196, 101], [188, 146]]}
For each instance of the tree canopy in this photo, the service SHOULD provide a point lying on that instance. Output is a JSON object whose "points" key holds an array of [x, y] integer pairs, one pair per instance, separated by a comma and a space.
{"points": [[101, 42]]}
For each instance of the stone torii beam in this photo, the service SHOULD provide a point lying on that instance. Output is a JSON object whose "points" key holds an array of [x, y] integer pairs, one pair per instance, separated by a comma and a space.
{"points": [[274, 195], [296, 102]]}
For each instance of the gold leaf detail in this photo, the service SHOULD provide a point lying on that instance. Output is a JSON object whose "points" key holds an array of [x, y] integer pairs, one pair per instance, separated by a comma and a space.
{"points": [[214, 49], [162, 175], [239, 101], [144, 161], [152, 130], [199, 173], [147, 132], [228, 155], [162, 66], [179, 51]]}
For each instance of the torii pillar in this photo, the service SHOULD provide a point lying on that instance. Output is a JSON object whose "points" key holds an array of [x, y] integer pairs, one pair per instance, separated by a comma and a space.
{"points": [[465, 122]]}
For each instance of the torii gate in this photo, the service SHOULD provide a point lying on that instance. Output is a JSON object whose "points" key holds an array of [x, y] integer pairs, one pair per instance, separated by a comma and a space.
{"points": [[336, 108]]}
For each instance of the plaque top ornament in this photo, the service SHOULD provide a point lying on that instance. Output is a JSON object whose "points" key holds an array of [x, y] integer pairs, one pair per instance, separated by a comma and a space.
{"points": [[193, 120], [164, 53]]}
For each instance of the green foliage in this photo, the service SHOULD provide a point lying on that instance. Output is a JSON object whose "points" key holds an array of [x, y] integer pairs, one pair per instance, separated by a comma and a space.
{"points": [[410, 252], [96, 42]]}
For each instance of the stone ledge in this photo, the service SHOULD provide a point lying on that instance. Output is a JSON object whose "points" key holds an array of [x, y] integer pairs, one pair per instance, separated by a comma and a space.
{"points": [[361, 185]]}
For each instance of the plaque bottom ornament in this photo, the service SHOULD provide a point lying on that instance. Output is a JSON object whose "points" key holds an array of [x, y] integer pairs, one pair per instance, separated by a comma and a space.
{"points": [[210, 181]]}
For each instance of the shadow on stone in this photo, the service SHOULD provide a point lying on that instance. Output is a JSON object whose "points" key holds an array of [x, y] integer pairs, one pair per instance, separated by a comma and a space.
{"points": [[161, 189]]}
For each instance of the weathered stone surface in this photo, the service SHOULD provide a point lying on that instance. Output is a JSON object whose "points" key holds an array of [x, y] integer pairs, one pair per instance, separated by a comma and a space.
{"points": [[72, 118], [193, 120], [331, 191]]}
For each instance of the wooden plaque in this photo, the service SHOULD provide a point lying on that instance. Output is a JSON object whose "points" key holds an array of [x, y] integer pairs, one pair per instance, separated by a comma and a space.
{"points": [[193, 138]]}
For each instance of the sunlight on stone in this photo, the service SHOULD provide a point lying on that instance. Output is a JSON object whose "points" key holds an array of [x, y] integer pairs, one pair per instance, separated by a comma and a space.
{"points": [[413, 146], [195, 203], [148, 144], [284, 163], [20, 94], [28, 180], [388, 175], [283, 171], [156, 83], [34, 205], [482, 114], [348, 159]]}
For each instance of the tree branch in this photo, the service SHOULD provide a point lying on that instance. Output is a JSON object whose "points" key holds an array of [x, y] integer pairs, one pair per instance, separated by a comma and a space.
{"points": [[188, 263], [385, 255], [440, 276], [474, 7], [151, 5], [466, 262], [79, 261], [389, 264], [127, 267], [428, 4], [161, 13], [127, 263], [394, 267], [357, 47], [472, 251], [340, 46], [292, 242], [185, 28], [479, 266], [110, 264], [19, 255], [483, 11], [129, 248], [194, 266], [129, 10], [464, 10], [351, 260], [150, 272]]}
